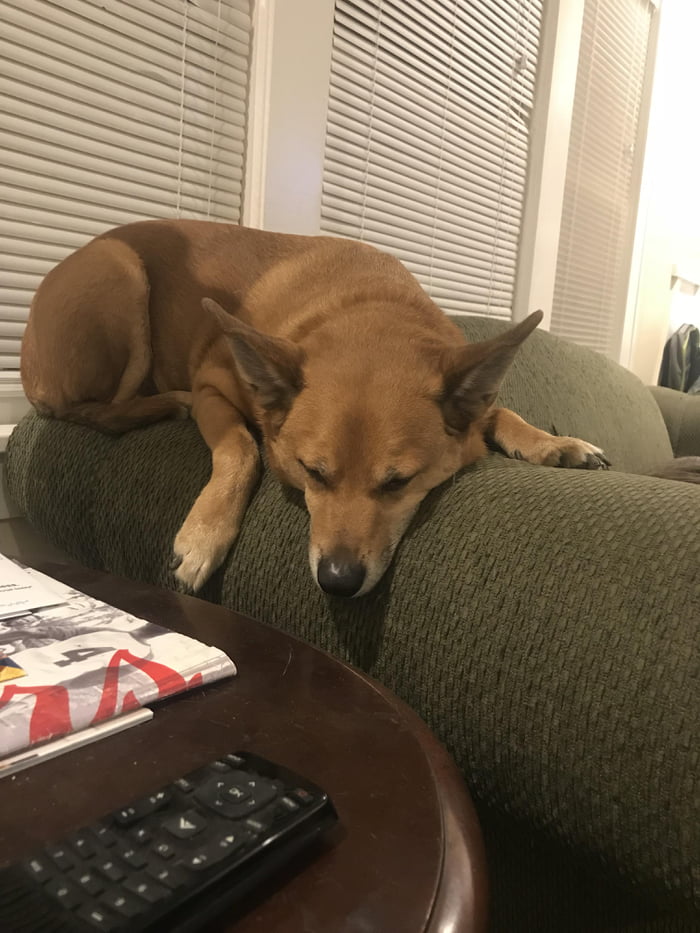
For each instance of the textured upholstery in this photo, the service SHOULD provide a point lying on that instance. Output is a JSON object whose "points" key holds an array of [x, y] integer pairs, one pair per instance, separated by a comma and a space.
{"points": [[681, 413], [542, 621]]}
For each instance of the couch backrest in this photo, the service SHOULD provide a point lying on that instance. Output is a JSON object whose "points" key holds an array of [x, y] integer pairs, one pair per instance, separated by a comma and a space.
{"points": [[554, 383]]}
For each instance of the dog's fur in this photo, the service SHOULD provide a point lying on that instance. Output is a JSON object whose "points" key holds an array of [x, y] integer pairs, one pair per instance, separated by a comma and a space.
{"points": [[365, 393]]}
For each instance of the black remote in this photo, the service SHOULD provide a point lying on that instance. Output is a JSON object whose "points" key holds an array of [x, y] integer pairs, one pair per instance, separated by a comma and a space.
{"points": [[173, 860]]}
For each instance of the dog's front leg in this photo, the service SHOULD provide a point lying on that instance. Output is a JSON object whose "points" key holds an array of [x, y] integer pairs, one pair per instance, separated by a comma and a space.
{"points": [[522, 441], [215, 518]]}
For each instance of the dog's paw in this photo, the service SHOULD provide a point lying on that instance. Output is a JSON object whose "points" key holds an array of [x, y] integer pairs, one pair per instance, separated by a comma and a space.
{"points": [[574, 454], [196, 555]]}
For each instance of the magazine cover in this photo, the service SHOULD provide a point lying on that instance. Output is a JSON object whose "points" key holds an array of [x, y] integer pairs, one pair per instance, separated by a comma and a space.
{"points": [[70, 666], [21, 591]]}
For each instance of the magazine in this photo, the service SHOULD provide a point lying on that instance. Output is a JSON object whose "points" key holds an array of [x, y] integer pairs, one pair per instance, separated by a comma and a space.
{"points": [[21, 591], [55, 747], [80, 662]]}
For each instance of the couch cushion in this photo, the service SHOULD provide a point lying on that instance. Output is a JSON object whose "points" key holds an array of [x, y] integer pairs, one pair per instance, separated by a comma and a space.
{"points": [[681, 413], [554, 383]]}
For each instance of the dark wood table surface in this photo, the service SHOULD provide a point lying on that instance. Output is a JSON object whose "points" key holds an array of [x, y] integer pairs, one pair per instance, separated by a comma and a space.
{"points": [[407, 855]]}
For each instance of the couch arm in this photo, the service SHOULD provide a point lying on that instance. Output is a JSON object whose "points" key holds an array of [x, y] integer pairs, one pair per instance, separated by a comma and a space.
{"points": [[542, 621], [681, 412]]}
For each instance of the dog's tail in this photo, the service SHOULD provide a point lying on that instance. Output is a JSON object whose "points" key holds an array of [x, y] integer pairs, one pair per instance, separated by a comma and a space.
{"points": [[685, 469]]}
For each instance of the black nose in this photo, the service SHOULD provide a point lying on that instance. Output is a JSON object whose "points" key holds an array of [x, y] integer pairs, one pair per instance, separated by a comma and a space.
{"points": [[340, 574]]}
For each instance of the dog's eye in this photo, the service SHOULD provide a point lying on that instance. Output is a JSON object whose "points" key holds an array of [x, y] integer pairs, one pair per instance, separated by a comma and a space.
{"points": [[315, 475], [395, 483]]}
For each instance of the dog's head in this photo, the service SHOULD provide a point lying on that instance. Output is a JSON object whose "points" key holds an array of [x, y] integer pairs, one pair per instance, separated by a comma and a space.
{"points": [[366, 424]]}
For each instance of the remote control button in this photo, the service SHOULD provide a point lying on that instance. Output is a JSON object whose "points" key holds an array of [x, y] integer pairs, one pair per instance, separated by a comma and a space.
{"points": [[61, 857], [141, 835], [236, 798], [220, 766], [146, 888], [234, 760], [286, 803], [263, 792], [210, 790], [235, 794], [303, 796], [132, 856], [231, 841], [87, 881], [168, 875], [123, 903], [238, 810], [127, 816], [164, 849], [160, 799], [184, 785], [104, 835], [81, 844], [197, 861], [98, 918], [65, 893], [111, 870], [262, 789], [215, 852], [218, 806], [210, 854], [185, 825], [38, 868], [261, 822]]}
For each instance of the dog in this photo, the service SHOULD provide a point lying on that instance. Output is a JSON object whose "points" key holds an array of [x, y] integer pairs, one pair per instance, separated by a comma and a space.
{"points": [[365, 394]]}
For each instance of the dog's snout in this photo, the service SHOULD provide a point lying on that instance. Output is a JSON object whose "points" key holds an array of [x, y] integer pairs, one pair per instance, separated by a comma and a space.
{"points": [[340, 574]]}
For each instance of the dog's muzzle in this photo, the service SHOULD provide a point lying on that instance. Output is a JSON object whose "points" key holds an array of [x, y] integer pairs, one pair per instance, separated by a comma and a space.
{"points": [[340, 574]]}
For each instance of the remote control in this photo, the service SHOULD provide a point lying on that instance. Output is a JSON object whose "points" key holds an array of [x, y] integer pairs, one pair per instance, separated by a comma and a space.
{"points": [[172, 860]]}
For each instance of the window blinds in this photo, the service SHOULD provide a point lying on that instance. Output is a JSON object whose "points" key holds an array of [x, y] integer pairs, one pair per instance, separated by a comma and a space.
{"points": [[600, 192], [427, 139], [112, 111]]}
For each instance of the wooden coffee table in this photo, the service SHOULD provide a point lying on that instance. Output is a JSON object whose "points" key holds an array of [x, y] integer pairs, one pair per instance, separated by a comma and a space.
{"points": [[407, 855]]}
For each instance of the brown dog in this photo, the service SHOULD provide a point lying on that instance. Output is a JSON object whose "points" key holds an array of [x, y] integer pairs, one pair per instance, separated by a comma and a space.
{"points": [[365, 393]]}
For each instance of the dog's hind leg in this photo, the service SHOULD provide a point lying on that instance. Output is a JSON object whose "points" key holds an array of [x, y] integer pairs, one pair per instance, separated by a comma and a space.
{"points": [[214, 520], [86, 353], [520, 440], [136, 412]]}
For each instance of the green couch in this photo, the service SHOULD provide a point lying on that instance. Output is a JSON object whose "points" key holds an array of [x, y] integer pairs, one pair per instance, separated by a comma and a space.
{"points": [[542, 621]]}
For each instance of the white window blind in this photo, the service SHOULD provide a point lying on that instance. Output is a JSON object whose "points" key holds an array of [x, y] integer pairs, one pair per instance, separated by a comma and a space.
{"points": [[427, 139], [601, 189], [112, 111]]}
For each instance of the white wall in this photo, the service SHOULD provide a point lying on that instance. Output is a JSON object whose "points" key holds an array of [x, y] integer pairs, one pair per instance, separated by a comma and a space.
{"points": [[668, 232]]}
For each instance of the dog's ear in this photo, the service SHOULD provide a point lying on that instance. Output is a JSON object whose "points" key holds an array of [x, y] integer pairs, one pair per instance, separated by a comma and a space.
{"points": [[271, 366], [472, 374]]}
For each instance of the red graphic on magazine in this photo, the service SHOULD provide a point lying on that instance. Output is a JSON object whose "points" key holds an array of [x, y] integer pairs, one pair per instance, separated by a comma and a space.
{"points": [[85, 662], [165, 678], [51, 714]]}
